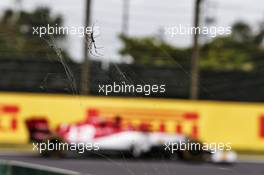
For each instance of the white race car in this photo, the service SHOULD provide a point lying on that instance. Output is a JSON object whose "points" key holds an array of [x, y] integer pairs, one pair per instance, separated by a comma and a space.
{"points": [[104, 137]]}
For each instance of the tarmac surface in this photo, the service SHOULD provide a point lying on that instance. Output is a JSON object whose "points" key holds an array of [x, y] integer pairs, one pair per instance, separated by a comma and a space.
{"points": [[124, 166]]}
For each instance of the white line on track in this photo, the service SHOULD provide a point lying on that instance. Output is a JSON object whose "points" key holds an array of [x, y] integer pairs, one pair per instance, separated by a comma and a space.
{"points": [[40, 167]]}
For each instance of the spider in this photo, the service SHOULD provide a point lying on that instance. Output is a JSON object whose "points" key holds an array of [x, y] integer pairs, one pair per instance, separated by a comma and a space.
{"points": [[91, 44]]}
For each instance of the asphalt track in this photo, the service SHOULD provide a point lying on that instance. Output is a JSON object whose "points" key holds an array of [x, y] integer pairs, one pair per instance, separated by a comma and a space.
{"points": [[123, 166]]}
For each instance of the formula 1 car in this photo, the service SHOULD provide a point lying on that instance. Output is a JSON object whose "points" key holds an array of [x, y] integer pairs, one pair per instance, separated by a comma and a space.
{"points": [[109, 137]]}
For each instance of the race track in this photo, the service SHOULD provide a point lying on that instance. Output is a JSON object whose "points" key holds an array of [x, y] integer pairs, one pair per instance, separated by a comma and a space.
{"points": [[123, 166]]}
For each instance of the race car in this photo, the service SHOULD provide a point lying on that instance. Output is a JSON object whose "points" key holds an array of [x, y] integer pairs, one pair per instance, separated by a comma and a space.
{"points": [[111, 137]]}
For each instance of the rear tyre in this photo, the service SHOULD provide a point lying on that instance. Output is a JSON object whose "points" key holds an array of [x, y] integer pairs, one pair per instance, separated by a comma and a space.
{"points": [[135, 151], [193, 154], [53, 149]]}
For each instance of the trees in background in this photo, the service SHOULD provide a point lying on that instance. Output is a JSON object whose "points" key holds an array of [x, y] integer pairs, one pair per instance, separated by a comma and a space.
{"points": [[16, 35], [152, 51], [242, 50]]}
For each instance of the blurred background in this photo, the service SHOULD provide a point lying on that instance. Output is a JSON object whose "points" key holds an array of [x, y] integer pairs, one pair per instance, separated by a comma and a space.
{"points": [[220, 79], [141, 53]]}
